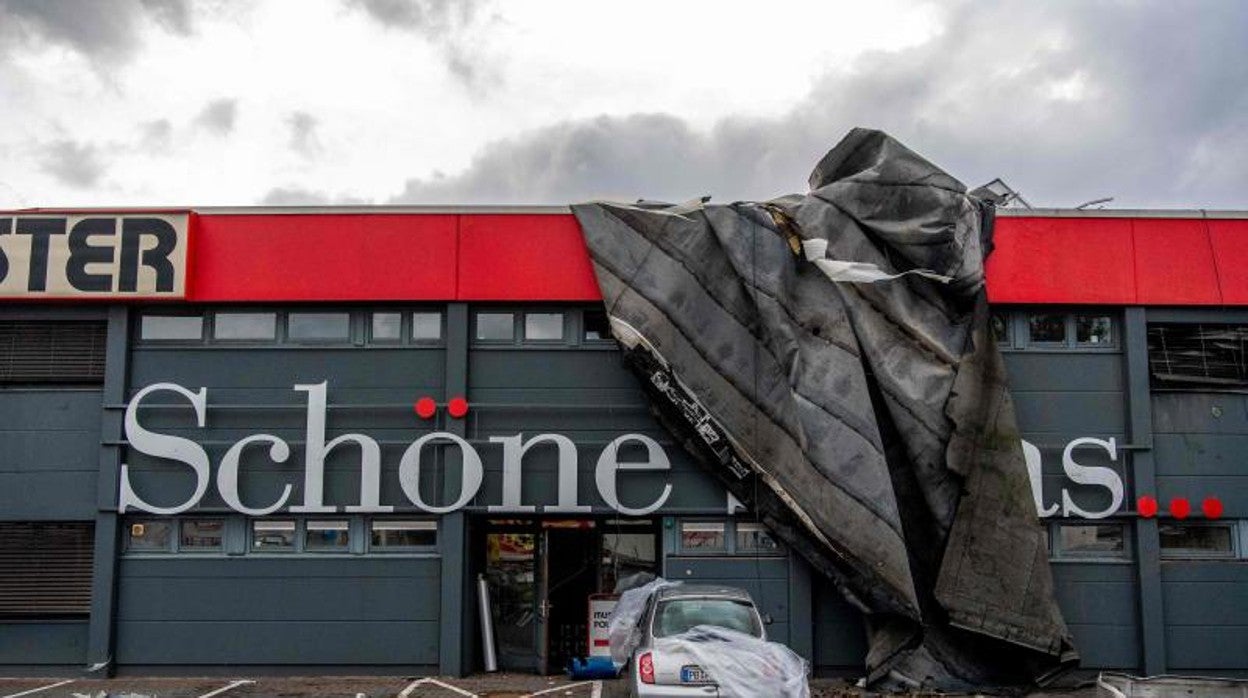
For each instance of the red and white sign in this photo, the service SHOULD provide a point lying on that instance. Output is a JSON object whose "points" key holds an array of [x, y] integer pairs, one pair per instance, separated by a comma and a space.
{"points": [[600, 608]]}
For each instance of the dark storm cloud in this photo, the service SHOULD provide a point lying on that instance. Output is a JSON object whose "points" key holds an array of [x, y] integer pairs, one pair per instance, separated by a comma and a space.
{"points": [[303, 139], [1067, 102], [106, 30], [298, 196], [442, 23], [430, 17], [75, 164], [156, 135], [218, 116]]}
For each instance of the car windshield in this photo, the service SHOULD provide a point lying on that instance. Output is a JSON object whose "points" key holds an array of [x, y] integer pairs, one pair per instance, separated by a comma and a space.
{"points": [[678, 615]]}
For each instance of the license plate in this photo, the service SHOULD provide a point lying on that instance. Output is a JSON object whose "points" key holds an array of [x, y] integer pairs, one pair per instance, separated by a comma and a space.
{"points": [[692, 673]]}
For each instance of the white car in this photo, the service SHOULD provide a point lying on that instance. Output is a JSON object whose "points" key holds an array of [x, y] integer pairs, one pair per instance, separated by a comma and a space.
{"points": [[661, 670]]}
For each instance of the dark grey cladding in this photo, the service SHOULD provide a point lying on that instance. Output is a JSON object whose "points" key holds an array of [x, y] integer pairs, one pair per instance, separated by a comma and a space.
{"points": [[868, 424]]}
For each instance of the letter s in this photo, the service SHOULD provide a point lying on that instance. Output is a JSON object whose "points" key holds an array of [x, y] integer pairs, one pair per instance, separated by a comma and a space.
{"points": [[1091, 475], [165, 446]]}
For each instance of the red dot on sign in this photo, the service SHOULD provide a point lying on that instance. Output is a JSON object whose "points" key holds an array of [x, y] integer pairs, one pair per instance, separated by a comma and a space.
{"points": [[1180, 508], [458, 407], [1147, 506], [426, 407], [1212, 506]]}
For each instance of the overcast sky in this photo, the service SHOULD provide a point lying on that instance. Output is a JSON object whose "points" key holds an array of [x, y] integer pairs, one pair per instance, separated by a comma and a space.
{"points": [[170, 102]]}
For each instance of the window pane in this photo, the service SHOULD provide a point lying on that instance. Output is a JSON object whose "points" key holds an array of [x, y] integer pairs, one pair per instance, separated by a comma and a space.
{"points": [[596, 325], [386, 327], [1048, 328], [543, 326], [495, 326], [702, 536], [272, 536], [755, 538], [404, 534], [326, 535], [679, 615], [150, 536], [172, 327], [245, 326], [318, 327], [1093, 329], [1209, 357], [1000, 326], [1095, 539], [427, 327], [201, 535], [1179, 539]]}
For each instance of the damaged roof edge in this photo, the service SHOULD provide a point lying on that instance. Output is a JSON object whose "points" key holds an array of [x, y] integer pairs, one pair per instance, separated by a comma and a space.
{"points": [[485, 209]]}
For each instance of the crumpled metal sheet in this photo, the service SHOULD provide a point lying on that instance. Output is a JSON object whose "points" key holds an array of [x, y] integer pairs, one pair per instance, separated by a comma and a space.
{"points": [[867, 423]]}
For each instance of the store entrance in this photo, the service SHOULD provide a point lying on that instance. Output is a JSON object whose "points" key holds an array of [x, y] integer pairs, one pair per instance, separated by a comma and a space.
{"points": [[541, 573]]}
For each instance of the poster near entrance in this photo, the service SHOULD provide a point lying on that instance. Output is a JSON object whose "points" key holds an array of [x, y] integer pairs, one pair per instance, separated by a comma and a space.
{"points": [[546, 577], [600, 608]]}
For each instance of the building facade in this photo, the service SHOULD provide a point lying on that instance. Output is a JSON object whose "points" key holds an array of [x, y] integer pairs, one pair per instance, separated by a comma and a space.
{"points": [[286, 439]]}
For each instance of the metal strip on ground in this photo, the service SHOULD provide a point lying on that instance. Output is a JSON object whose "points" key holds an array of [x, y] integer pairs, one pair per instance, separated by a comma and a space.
{"points": [[223, 689], [430, 680], [37, 690], [564, 687]]}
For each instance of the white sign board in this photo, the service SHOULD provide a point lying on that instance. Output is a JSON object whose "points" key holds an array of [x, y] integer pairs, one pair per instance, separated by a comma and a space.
{"points": [[600, 608]]}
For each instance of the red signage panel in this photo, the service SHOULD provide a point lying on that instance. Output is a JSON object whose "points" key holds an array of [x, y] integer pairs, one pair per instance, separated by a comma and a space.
{"points": [[324, 257]]}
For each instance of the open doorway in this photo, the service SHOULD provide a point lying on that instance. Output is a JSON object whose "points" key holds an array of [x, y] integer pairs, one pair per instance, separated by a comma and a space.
{"points": [[541, 573]]}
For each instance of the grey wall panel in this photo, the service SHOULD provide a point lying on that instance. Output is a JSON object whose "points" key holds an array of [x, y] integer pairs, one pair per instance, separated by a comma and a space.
{"points": [[840, 632], [1200, 413], [1201, 440], [49, 454], [280, 368], [767, 580], [548, 370], [1206, 612], [299, 610], [1064, 371], [43, 642], [1081, 414], [1098, 601], [277, 642]]}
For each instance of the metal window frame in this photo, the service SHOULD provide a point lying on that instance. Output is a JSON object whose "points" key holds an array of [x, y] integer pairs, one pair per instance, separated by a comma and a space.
{"points": [[1235, 553], [1059, 554], [389, 550]]}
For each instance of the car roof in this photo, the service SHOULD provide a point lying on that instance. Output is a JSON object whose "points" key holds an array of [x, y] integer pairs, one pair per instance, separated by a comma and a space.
{"points": [[696, 590]]}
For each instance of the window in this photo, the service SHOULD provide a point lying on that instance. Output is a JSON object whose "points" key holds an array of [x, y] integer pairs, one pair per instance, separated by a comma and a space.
{"points": [[427, 327], [755, 538], [1093, 329], [495, 327], [150, 536], [172, 327], [1050, 329], [702, 537], [393, 535], [45, 569], [999, 325], [273, 536], [318, 327], [52, 351], [327, 536], [1198, 356], [387, 327], [245, 326], [543, 327], [201, 535], [595, 326], [1090, 540], [1180, 540]]}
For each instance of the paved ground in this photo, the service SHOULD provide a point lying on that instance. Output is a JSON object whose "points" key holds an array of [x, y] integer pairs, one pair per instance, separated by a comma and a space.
{"points": [[484, 686]]}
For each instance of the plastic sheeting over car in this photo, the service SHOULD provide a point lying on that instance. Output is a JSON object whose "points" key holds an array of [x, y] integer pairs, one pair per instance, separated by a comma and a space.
{"points": [[828, 357], [740, 665]]}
